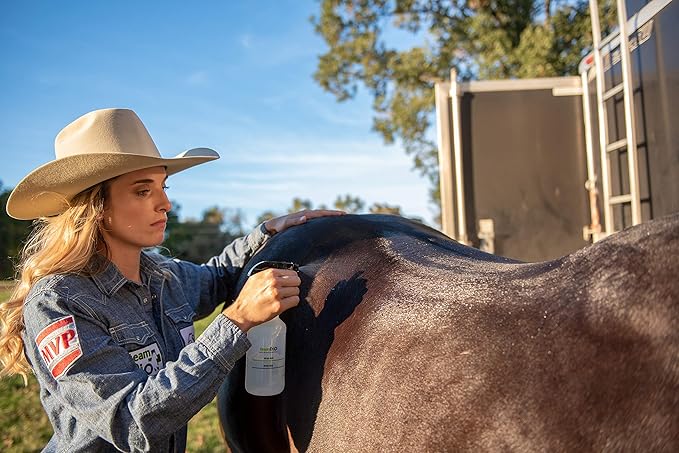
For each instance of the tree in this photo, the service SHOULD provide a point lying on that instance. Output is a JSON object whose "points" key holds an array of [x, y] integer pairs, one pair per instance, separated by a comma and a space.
{"points": [[264, 216], [199, 240], [214, 215], [13, 233], [298, 205], [384, 208], [349, 203], [229, 221], [486, 39]]}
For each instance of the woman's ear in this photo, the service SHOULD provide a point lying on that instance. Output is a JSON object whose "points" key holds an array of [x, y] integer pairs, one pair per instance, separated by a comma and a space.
{"points": [[104, 220]]}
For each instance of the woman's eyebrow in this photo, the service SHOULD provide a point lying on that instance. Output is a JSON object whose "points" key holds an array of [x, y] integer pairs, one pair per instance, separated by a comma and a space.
{"points": [[146, 181]]}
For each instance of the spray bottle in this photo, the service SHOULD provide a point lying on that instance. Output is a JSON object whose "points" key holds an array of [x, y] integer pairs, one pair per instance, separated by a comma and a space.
{"points": [[265, 360]]}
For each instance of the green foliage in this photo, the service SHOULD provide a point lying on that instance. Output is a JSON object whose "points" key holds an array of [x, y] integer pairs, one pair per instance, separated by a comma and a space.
{"points": [[349, 204], [384, 208], [199, 240], [298, 205], [264, 216], [24, 425], [485, 39], [204, 430], [12, 235], [23, 422]]}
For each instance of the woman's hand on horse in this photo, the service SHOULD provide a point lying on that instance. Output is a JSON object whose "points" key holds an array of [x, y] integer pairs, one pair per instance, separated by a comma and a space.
{"points": [[282, 223]]}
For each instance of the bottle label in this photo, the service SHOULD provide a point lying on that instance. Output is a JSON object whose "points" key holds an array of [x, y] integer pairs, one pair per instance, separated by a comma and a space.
{"points": [[268, 358]]}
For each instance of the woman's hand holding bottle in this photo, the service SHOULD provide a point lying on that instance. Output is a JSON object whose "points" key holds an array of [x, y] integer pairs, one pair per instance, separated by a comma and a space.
{"points": [[265, 295]]}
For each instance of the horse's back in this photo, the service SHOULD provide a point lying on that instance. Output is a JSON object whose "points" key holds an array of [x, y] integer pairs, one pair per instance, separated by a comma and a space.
{"points": [[406, 341]]}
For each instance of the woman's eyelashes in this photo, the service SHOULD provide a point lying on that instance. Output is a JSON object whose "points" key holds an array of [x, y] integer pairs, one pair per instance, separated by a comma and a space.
{"points": [[144, 192]]}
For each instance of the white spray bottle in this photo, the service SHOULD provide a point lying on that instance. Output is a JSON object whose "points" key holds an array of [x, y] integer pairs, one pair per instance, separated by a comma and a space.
{"points": [[265, 360]]}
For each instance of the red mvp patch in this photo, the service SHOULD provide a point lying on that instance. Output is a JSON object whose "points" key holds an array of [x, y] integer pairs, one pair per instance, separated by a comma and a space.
{"points": [[59, 345]]}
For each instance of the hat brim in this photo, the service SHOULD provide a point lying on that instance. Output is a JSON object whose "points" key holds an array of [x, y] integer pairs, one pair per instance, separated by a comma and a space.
{"points": [[47, 190]]}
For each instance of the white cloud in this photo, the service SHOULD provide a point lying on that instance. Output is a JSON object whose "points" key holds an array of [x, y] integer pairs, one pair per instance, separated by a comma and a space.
{"points": [[314, 168]]}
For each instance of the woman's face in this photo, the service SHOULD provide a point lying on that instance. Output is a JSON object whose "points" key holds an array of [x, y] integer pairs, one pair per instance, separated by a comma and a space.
{"points": [[135, 212]]}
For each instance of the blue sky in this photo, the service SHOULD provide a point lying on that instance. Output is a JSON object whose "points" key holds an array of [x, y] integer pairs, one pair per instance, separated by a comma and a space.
{"points": [[233, 76]]}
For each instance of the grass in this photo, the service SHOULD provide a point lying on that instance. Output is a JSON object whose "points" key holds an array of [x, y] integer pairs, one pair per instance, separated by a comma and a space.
{"points": [[24, 427], [204, 431], [23, 423]]}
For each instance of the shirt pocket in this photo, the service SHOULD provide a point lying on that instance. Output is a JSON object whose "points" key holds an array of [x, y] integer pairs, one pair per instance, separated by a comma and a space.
{"points": [[182, 318], [135, 339], [131, 334]]}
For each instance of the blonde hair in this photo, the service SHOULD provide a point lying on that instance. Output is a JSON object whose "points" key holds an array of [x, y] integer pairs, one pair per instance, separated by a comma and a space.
{"points": [[60, 244]]}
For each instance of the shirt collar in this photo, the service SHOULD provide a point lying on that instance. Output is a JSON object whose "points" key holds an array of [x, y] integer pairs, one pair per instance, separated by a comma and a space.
{"points": [[109, 279]]}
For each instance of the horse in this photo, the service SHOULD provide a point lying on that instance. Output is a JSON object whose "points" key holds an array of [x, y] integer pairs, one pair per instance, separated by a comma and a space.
{"points": [[406, 340]]}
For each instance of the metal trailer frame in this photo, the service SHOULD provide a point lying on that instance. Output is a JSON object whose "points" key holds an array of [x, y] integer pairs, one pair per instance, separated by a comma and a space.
{"points": [[592, 68], [448, 95]]}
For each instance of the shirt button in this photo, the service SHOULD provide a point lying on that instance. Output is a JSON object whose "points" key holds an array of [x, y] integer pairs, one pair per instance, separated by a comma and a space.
{"points": [[145, 300]]}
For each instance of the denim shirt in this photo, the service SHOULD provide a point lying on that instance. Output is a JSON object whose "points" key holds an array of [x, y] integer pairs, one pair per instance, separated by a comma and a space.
{"points": [[117, 363]]}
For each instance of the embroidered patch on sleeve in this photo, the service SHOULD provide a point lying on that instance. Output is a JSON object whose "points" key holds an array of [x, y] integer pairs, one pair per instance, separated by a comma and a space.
{"points": [[59, 345]]}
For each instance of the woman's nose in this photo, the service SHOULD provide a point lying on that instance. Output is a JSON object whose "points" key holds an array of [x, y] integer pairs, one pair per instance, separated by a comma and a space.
{"points": [[165, 204]]}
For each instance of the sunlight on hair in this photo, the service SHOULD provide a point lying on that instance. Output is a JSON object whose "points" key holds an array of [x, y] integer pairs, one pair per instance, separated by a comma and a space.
{"points": [[57, 245]]}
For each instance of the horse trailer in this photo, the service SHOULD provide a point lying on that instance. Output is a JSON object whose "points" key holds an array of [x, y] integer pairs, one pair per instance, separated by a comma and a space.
{"points": [[534, 169]]}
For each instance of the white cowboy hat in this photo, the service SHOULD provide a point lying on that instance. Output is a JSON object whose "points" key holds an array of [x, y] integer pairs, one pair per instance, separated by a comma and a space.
{"points": [[99, 145]]}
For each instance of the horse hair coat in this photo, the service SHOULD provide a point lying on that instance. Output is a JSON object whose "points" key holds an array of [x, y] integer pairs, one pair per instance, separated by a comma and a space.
{"points": [[407, 341]]}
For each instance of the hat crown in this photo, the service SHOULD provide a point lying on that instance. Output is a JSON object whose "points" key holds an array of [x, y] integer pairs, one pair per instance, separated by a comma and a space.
{"points": [[116, 131], [96, 147]]}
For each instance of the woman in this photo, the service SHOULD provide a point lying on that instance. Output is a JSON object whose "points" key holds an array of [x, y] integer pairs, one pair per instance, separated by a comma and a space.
{"points": [[106, 326]]}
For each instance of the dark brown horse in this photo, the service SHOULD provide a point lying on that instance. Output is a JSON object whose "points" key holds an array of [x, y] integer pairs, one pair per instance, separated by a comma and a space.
{"points": [[407, 341]]}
